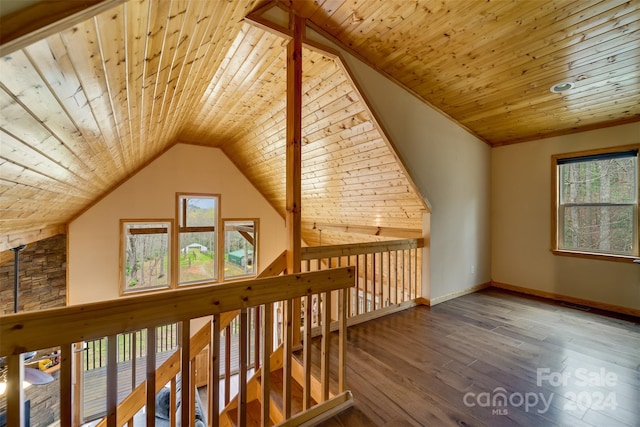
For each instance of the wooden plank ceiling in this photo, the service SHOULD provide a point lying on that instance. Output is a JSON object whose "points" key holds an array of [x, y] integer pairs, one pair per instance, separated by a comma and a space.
{"points": [[84, 109], [490, 64], [88, 106]]}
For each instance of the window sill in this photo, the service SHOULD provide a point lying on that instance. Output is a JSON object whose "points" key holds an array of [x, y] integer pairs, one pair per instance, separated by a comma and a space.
{"points": [[603, 257]]}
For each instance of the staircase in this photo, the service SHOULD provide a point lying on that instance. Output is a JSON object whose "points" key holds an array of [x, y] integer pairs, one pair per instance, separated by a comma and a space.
{"points": [[229, 416]]}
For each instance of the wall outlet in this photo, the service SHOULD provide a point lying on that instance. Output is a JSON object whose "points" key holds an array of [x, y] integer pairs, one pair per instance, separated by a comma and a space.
{"points": [[473, 269]]}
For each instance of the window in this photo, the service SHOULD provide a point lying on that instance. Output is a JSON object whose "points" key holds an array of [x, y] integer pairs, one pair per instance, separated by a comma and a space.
{"points": [[240, 248], [597, 203], [197, 238], [145, 255]]}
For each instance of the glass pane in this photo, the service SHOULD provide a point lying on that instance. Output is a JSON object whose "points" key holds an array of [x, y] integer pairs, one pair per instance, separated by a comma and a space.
{"points": [[239, 249], [599, 229], [201, 211], [599, 181], [197, 257], [146, 260]]}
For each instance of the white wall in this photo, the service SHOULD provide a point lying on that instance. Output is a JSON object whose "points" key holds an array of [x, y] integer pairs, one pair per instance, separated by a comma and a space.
{"points": [[521, 223], [451, 168], [94, 237]]}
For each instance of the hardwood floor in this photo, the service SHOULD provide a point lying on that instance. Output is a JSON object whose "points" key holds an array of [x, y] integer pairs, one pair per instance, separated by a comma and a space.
{"points": [[449, 365]]}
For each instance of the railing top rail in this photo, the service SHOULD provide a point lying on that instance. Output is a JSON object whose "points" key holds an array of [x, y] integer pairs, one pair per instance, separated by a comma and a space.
{"points": [[318, 252], [24, 332]]}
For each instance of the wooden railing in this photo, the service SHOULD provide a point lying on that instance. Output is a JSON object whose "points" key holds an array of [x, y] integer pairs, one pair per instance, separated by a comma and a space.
{"points": [[131, 346], [65, 326], [389, 276]]}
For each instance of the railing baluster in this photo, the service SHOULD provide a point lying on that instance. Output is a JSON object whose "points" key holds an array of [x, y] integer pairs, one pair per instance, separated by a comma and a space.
{"points": [[193, 390], [373, 280], [403, 277], [78, 374], [286, 363], [418, 270], [227, 364], [366, 283], [342, 339], [267, 342], [326, 345], [256, 337], [411, 274], [151, 376], [134, 345], [185, 369], [66, 385], [319, 309], [214, 372], [353, 292], [389, 276], [86, 357], [242, 368], [395, 276], [306, 353], [112, 380], [173, 402], [357, 285], [15, 392]]}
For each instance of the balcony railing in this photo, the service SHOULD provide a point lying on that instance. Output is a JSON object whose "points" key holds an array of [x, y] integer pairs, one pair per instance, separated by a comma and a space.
{"points": [[106, 320], [389, 276]]}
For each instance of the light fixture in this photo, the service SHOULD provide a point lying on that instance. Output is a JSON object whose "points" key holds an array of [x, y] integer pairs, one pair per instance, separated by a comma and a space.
{"points": [[562, 87], [3, 386]]}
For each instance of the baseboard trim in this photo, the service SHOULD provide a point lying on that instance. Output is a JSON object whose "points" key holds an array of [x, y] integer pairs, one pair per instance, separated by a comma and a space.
{"points": [[443, 298], [564, 298]]}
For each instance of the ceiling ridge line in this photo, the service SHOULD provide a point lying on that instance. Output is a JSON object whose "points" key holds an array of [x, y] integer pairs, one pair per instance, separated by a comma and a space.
{"points": [[256, 18]]}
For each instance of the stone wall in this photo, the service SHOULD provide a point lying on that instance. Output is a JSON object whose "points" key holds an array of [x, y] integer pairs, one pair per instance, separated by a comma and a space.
{"points": [[42, 285]]}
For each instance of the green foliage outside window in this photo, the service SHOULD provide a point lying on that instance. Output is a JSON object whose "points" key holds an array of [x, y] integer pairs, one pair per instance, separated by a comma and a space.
{"points": [[598, 204], [198, 217], [146, 263]]}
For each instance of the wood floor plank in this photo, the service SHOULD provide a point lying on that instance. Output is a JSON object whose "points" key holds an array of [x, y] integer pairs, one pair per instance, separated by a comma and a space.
{"points": [[434, 366]]}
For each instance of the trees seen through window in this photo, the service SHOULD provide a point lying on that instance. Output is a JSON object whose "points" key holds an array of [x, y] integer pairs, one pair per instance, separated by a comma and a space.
{"points": [[597, 204]]}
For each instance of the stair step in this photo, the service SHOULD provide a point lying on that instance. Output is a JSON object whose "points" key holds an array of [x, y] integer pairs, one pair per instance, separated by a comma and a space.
{"points": [[254, 409], [296, 392]]}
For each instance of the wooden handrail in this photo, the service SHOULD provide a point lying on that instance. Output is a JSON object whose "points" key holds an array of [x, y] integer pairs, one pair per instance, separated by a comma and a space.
{"points": [[389, 277], [49, 328], [62, 326], [318, 252]]}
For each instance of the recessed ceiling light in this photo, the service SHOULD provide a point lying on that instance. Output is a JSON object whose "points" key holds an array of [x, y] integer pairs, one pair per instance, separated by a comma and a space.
{"points": [[562, 87]]}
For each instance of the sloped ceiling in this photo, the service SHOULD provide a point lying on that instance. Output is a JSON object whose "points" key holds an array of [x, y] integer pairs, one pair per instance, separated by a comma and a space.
{"points": [[85, 108], [490, 65]]}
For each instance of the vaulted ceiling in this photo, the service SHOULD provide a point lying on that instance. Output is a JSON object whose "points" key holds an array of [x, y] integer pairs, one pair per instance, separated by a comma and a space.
{"points": [[85, 106], [490, 65]]}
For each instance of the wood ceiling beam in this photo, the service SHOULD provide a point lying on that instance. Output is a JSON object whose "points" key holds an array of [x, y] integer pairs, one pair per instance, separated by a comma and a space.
{"points": [[294, 149], [293, 216], [23, 27]]}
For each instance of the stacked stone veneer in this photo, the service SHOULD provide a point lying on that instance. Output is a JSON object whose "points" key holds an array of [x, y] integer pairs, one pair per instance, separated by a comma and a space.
{"points": [[43, 284]]}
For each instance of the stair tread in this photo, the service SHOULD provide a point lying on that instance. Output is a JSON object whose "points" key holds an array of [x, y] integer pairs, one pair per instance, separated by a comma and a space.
{"points": [[296, 392], [254, 409]]}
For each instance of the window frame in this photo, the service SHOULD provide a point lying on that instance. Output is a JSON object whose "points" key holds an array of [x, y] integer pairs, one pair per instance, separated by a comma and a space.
{"points": [[256, 250], [122, 258], [179, 228], [557, 208]]}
